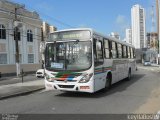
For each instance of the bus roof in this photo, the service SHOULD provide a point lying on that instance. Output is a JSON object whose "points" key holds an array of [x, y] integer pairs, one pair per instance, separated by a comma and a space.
{"points": [[97, 33]]}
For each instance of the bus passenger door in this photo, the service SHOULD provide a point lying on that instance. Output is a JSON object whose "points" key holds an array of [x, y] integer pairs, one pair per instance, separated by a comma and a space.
{"points": [[99, 73]]}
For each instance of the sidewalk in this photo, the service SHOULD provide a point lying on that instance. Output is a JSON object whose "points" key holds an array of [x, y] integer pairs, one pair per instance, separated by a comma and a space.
{"points": [[18, 89], [14, 77], [153, 67]]}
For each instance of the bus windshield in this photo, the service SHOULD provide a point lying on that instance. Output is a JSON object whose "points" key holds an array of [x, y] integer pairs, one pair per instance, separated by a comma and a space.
{"points": [[71, 56]]}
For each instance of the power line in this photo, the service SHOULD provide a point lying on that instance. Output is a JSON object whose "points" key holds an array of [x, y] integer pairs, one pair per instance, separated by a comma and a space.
{"points": [[51, 17], [60, 22], [25, 31]]}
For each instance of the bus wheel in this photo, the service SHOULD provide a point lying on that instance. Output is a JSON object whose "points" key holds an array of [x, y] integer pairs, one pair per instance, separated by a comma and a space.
{"points": [[108, 82], [129, 75]]}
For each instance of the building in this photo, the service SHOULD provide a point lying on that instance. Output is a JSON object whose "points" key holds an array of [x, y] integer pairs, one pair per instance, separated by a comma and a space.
{"points": [[158, 24], [29, 36], [115, 35], [138, 26], [152, 47], [128, 36], [152, 41], [53, 29], [47, 28]]}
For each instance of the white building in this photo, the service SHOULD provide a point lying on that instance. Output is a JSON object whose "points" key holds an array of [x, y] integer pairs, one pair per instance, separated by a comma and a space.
{"points": [[128, 36], [53, 29], [47, 29], [115, 35], [159, 28], [138, 27], [29, 39]]}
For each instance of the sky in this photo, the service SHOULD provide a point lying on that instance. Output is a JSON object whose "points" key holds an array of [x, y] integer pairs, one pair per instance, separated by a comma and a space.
{"points": [[104, 16]]}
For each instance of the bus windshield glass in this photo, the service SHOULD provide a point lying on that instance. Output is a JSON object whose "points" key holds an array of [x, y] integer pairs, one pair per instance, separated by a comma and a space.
{"points": [[71, 56]]}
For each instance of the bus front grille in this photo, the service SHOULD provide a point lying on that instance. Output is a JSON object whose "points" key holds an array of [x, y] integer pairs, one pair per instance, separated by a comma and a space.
{"points": [[66, 86]]}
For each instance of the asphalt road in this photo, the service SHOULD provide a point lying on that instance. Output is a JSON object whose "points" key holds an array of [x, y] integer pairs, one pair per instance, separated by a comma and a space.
{"points": [[140, 95]]}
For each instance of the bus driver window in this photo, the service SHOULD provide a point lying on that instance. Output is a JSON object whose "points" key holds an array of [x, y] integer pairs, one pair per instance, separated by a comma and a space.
{"points": [[98, 52]]}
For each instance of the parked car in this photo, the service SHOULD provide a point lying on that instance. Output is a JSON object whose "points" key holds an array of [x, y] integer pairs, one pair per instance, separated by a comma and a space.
{"points": [[40, 73], [147, 63]]}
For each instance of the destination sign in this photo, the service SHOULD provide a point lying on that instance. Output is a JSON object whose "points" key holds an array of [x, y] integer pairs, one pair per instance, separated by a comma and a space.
{"points": [[70, 35]]}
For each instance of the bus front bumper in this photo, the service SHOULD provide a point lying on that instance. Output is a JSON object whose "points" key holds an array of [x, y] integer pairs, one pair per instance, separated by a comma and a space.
{"points": [[75, 87]]}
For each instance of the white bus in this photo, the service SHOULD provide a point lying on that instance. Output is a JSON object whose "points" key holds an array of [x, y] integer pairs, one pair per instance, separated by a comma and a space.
{"points": [[85, 61]]}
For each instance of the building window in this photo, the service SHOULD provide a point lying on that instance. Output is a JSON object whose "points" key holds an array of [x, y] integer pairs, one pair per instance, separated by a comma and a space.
{"points": [[2, 32], [2, 47], [30, 58], [29, 36], [3, 58]]}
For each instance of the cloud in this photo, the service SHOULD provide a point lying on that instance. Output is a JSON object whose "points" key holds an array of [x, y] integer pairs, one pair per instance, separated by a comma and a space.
{"points": [[121, 24], [120, 19]]}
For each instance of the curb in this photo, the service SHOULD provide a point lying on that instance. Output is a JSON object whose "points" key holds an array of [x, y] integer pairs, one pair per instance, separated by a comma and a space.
{"points": [[21, 93]]}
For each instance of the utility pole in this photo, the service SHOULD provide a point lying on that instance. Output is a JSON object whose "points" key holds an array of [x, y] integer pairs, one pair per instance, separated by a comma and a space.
{"points": [[158, 27], [17, 25], [152, 17], [16, 45], [42, 46]]}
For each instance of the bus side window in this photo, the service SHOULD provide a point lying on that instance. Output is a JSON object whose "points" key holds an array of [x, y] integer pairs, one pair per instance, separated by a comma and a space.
{"points": [[132, 53], [99, 49], [94, 49], [129, 54], [107, 49], [98, 52], [110, 49], [124, 53], [114, 50], [119, 50]]}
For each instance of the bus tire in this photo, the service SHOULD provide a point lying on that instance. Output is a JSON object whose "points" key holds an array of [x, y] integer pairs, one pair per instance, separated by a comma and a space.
{"points": [[108, 82], [129, 75]]}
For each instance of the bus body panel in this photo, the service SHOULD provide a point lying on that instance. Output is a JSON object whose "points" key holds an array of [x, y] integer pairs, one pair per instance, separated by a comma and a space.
{"points": [[86, 87], [70, 85], [118, 67]]}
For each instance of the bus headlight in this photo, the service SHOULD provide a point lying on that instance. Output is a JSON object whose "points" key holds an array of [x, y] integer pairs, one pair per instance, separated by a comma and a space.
{"points": [[49, 78], [86, 78]]}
